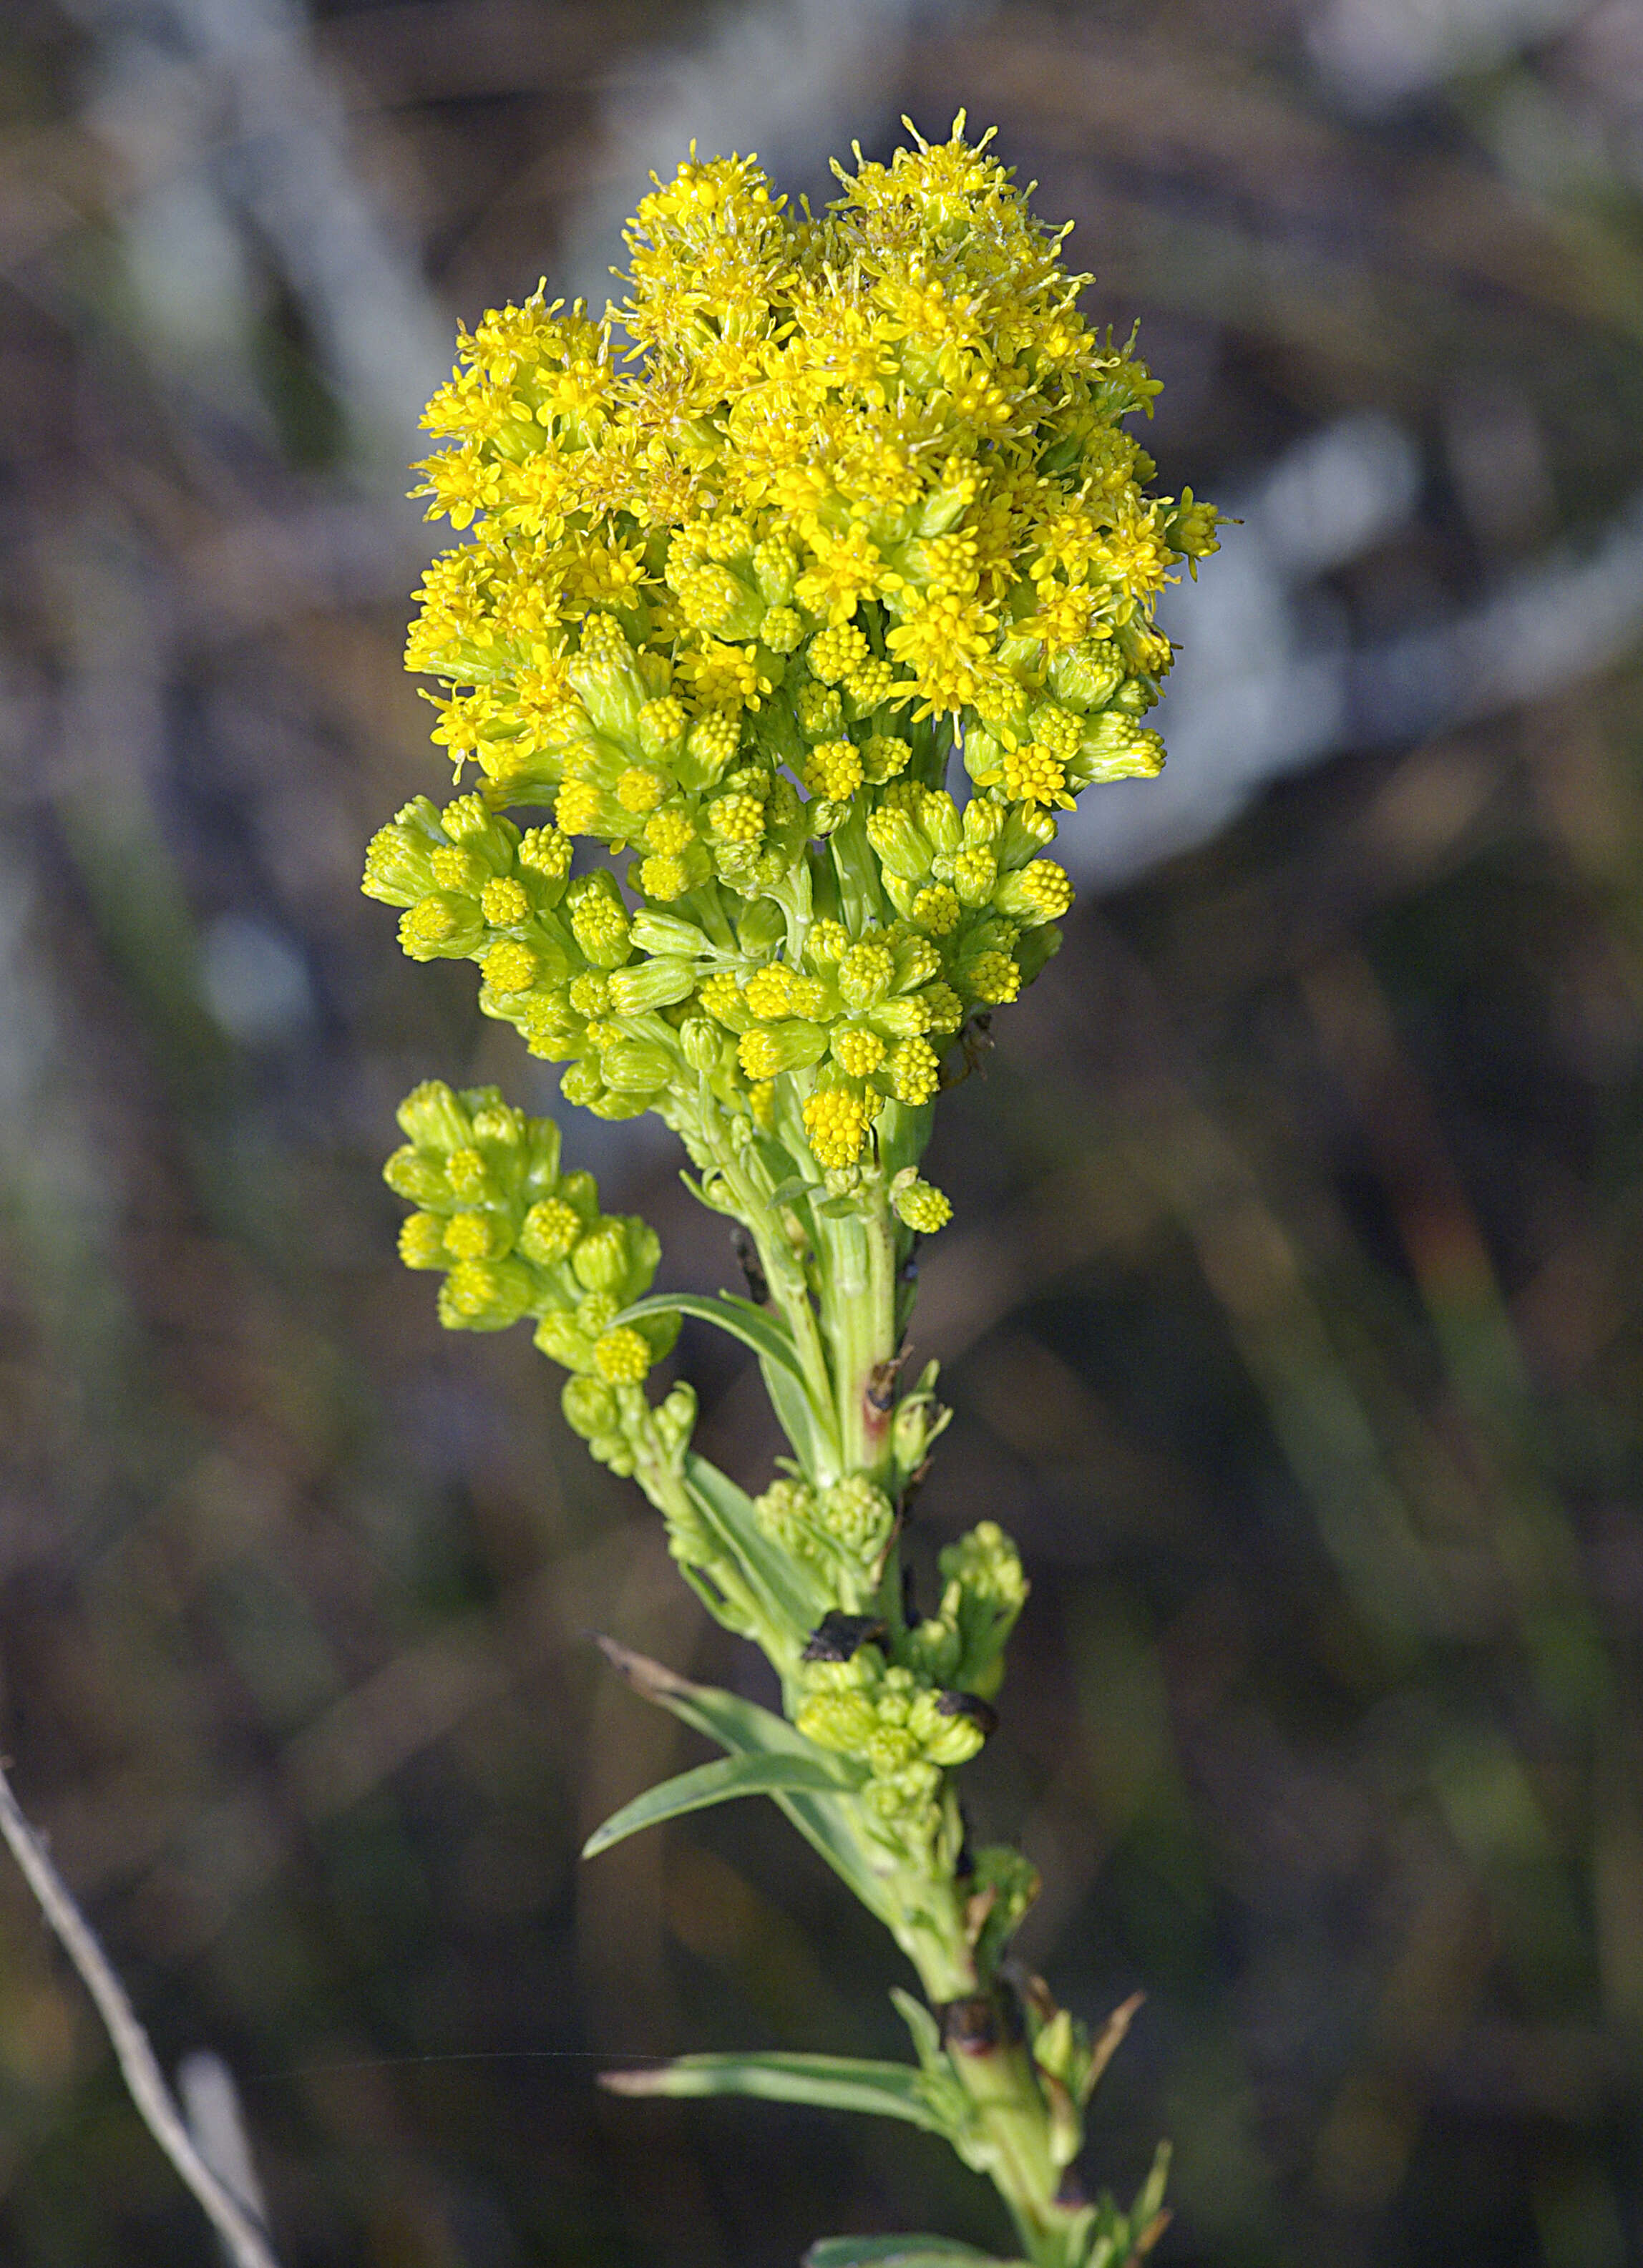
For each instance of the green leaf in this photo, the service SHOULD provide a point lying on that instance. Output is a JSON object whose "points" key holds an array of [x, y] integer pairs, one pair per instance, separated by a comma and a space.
{"points": [[796, 1414], [740, 1317], [900, 2252], [746, 1729], [716, 1783], [790, 1601], [923, 2026], [888, 2090]]}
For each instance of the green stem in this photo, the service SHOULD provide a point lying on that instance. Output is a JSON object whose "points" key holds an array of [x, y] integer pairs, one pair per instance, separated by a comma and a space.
{"points": [[1012, 2114], [786, 1276], [858, 1273]]}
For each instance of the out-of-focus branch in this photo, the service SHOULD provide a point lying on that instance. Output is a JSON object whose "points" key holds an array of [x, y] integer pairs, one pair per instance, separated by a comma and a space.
{"points": [[246, 2244]]}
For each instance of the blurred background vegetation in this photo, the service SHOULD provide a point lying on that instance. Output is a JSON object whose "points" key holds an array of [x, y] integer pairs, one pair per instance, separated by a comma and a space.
{"points": [[1294, 1309]]}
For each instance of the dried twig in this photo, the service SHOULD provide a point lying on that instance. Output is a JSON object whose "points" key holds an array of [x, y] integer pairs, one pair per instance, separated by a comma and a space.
{"points": [[245, 2241]]}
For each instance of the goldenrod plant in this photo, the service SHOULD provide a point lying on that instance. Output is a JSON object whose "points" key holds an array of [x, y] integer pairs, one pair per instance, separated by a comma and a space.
{"points": [[816, 579]]}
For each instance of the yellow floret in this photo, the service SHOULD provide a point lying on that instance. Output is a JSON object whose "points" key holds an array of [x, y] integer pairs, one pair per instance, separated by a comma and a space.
{"points": [[664, 878], [669, 833], [836, 1122], [720, 996], [883, 757], [870, 683], [833, 653], [664, 719], [422, 1241], [577, 809], [1033, 774], [639, 788], [545, 851], [738, 818], [465, 1170], [429, 921], [504, 901], [925, 1208], [994, 978], [829, 942], [472, 1236], [551, 1231], [858, 1052], [622, 1357], [510, 967], [1058, 732], [769, 992], [914, 1072], [1048, 887], [454, 867], [834, 769]]}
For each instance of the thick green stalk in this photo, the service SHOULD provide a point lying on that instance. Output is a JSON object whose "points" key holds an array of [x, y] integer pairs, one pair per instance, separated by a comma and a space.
{"points": [[857, 1258]]}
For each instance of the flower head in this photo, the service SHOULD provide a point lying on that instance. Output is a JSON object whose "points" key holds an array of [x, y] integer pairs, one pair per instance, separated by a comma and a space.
{"points": [[744, 562]]}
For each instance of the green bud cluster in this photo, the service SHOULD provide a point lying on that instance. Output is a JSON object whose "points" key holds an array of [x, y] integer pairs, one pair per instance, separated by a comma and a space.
{"points": [[517, 1239], [843, 1530], [962, 1643], [905, 1729]]}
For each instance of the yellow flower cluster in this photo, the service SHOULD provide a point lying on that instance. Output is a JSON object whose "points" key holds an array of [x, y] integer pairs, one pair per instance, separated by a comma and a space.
{"points": [[824, 501]]}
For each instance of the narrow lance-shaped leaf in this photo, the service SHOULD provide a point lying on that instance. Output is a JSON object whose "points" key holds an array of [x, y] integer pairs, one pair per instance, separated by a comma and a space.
{"points": [[887, 2090], [747, 1729], [789, 1388], [726, 1778], [740, 1317], [729, 1509]]}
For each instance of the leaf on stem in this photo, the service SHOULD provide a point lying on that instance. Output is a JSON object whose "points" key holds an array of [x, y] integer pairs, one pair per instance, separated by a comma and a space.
{"points": [[729, 1511], [746, 1729], [740, 1317], [728, 1777], [887, 2090]]}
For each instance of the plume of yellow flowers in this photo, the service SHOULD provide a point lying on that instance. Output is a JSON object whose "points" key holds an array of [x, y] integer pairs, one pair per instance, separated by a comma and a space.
{"points": [[814, 583], [824, 504]]}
